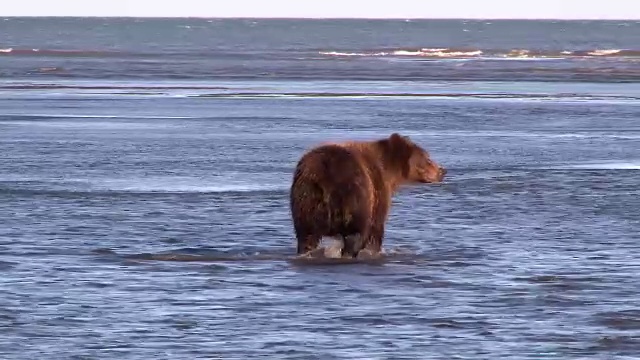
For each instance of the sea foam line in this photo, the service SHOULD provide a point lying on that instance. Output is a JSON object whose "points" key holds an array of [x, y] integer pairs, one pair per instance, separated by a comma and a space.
{"points": [[487, 53], [139, 185], [91, 116], [607, 166]]}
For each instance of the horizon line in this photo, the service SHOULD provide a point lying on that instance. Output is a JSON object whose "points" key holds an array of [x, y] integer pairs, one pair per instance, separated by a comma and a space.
{"points": [[320, 18]]}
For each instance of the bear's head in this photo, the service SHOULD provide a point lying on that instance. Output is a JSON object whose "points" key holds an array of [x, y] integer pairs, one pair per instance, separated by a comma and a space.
{"points": [[413, 161]]}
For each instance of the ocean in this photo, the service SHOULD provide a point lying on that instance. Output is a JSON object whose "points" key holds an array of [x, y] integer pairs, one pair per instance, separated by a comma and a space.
{"points": [[145, 168]]}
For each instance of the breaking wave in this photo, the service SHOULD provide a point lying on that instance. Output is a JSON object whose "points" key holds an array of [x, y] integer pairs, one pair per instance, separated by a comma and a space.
{"points": [[443, 52], [57, 52], [625, 165], [147, 185], [479, 95], [488, 53]]}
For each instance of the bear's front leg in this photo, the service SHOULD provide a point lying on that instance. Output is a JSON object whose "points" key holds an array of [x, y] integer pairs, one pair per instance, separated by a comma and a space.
{"points": [[366, 254]]}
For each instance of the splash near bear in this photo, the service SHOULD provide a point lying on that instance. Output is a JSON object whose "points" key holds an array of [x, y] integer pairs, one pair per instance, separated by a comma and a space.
{"points": [[344, 190]]}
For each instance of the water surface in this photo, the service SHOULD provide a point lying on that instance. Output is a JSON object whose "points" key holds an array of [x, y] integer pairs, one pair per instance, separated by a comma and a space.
{"points": [[146, 164]]}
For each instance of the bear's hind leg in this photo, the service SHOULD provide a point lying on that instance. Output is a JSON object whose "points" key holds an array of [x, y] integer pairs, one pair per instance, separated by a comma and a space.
{"points": [[352, 245], [307, 243], [355, 233]]}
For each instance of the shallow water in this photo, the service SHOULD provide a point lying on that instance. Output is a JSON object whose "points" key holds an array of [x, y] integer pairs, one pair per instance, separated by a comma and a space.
{"points": [[148, 217]]}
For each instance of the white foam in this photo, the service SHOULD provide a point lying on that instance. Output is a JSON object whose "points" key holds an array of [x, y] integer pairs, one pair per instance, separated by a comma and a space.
{"points": [[521, 58], [96, 116], [160, 184], [438, 52], [338, 53], [604, 52], [94, 125], [518, 134], [608, 166], [425, 52], [7, 50], [181, 184], [457, 53]]}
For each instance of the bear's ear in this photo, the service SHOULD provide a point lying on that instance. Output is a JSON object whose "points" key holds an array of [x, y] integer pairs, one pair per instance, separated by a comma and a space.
{"points": [[399, 142], [395, 137], [401, 152]]}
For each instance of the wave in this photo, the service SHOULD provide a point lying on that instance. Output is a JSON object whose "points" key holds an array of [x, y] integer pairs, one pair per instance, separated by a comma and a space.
{"points": [[422, 52], [365, 134], [173, 186], [487, 53], [146, 185], [529, 134], [106, 87], [71, 193], [58, 52], [604, 52], [496, 95], [26, 117], [440, 52], [607, 166], [76, 119]]}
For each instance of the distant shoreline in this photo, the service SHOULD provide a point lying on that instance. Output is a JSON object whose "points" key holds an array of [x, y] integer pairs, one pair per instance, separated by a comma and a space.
{"points": [[313, 18]]}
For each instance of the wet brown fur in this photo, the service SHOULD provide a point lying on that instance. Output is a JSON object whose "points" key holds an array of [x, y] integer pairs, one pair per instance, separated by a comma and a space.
{"points": [[344, 190]]}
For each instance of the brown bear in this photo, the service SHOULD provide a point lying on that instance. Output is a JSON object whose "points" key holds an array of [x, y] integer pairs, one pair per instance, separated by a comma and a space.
{"points": [[344, 190]]}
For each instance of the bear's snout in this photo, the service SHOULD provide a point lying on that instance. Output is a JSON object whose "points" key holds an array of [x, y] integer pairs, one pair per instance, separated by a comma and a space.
{"points": [[436, 175]]}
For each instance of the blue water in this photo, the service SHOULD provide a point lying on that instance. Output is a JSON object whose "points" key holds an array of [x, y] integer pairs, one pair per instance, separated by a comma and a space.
{"points": [[145, 167]]}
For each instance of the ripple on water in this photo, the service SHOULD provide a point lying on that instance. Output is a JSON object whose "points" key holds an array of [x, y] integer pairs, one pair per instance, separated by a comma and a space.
{"points": [[6, 265], [617, 344], [566, 282], [619, 320]]}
